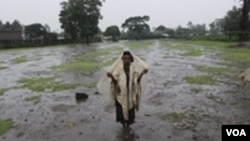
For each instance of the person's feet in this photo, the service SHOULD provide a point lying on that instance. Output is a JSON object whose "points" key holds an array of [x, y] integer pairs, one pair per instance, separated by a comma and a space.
{"points": [[126, 125]]}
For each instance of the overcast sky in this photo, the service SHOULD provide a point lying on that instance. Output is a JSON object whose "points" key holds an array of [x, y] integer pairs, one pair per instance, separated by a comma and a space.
{"points": [[170, 13]]}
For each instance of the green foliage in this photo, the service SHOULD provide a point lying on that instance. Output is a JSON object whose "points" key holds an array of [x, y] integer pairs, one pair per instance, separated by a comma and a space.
{"points": [[14, 26], [5, 126], [231, 24], [42, 84], [200, 80], [112, 31], [137, 26], [163, 29], [80, 18], [245, 21], [35, 30]]}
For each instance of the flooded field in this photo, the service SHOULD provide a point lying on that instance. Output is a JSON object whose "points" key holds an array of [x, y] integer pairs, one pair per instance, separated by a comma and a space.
{"points": [[193, 89]]}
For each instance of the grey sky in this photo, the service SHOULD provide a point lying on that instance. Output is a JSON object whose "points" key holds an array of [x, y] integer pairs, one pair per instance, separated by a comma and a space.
{"points": [[170, 13]]}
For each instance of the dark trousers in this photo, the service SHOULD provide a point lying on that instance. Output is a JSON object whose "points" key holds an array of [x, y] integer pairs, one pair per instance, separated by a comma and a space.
{"points": [[119, 115]]}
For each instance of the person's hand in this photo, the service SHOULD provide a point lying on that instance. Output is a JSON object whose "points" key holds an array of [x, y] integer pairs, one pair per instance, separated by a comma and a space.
{"points": [[109, 74]]}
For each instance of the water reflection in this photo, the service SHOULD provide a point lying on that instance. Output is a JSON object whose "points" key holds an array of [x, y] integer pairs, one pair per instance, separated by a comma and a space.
{"points": [[127, 134]]}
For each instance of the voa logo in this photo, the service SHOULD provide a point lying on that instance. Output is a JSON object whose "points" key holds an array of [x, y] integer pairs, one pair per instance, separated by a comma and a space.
{"points": [[236, 132]]}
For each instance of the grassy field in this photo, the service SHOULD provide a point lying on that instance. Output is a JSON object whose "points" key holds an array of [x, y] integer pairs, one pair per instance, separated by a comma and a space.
{"points": [[42, 84], [198, 48], [134, 45], [90, 62]]}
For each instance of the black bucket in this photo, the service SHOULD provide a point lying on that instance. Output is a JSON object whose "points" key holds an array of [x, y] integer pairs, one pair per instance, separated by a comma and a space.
{"points": [[81, 97]]}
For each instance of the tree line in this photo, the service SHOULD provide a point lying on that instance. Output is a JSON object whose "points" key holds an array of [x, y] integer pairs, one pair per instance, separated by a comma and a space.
{"points": [[8, 26], [80, 19]]}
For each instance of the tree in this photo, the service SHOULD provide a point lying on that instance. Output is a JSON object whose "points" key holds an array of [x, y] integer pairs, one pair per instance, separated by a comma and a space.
{"points": [[35, 30], [216, 28], [190, 25], [137, 26], [7, 26], [245, 21], [1, 25], [80, 18], [161, 29], [231, 24], [199, 30], [182, 32], [16, 25], [112, 31]]}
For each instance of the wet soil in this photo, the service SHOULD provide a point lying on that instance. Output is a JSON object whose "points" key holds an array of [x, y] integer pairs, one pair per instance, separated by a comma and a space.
{"points": [[171, 109]]}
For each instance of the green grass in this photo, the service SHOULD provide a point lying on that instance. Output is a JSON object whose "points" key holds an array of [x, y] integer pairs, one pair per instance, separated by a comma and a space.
{"points": [[4, 90], [213, 70], [194, 53], [197, 48], [5, 126], [2, 68], [200, 80], [237, 54], [19, 60], [193, 114], [226, 52], [91, 85], [211, 45], [188, 48], [33, 99], [42, 84], [108, 62], [90, 62], [139, 44], [85, 67], [175, 117]]}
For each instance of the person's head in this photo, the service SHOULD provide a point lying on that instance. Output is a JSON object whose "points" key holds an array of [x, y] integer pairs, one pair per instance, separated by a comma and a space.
{"points": [[127, 58]]}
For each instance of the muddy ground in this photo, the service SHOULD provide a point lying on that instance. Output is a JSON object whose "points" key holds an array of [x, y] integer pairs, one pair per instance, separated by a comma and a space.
{"points": [[171, 109]]}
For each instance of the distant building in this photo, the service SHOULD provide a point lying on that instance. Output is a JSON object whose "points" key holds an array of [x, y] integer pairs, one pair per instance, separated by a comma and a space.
{"points": [[11, 35]]}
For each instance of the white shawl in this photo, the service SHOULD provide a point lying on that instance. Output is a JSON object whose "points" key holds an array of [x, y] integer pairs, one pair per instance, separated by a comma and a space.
{"points": [[119, 91]]}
